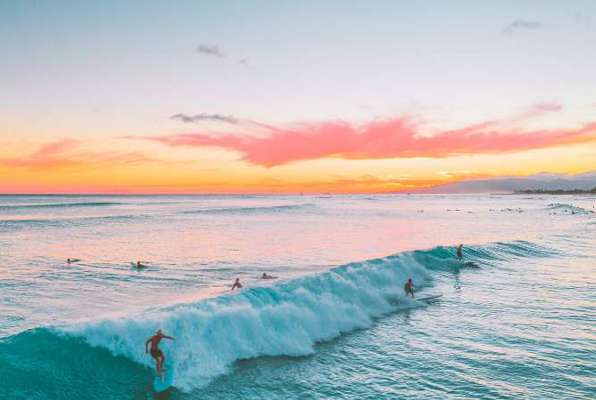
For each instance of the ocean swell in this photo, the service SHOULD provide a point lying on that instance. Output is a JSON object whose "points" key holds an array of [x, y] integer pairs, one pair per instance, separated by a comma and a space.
{"points": [[287, 318], [249, 210], [10, 207]]}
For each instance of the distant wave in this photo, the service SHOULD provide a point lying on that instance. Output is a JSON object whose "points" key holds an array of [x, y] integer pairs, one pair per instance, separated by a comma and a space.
{"points": [[568, 208], [40, 222], [286, 319], [248, 210], [10, 207]]}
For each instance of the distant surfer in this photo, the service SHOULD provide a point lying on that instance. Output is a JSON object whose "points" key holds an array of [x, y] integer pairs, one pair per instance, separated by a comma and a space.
{"points": [[265, 276], [409, 288], [156, 353], [237, 284], [460, 255], [140, 265]]}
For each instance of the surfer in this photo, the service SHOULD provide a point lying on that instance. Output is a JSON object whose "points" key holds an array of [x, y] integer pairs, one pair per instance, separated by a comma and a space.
{"points": [[409, 288], [156, 353], [459, 251], [140, 265], [237, 284], [265, 276]]}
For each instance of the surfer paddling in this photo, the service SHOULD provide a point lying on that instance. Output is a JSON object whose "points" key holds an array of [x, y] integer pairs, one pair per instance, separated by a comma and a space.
{"points": [[409, 288], [237, 284], [156, 353], [266, 276], [460, 255]]}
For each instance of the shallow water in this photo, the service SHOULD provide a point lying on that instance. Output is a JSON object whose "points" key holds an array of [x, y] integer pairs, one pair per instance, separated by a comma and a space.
{"points": [[517, 323]]}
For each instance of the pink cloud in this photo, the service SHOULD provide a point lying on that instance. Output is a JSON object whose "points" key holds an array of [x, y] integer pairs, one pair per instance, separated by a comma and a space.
{"points": [[65, 153], [547, 107], [49, 155], [390, 138]]}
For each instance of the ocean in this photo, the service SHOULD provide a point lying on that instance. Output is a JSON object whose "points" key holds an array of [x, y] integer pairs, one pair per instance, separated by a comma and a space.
{"points": [[516, 320]]}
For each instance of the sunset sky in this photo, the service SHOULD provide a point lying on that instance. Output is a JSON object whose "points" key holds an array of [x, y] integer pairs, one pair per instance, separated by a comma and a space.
{"points": [[287, 97]]}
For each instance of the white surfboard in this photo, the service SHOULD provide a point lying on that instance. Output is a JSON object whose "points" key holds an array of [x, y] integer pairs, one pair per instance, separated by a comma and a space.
{"points": [[429, 299], [164, 381]]}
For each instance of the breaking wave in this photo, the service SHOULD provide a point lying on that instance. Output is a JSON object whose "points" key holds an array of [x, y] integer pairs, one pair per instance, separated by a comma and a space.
{"points": [[285, 319]]}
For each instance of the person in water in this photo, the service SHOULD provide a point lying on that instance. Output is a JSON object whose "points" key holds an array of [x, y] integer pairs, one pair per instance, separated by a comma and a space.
{"points": [[156, 353], [237, 284], [459, 251], [265, 276], [409, 288], [141, 265]]}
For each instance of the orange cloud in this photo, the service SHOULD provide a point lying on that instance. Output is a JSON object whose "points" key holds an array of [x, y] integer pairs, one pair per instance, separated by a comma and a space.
{"points": [[65, 153], [391, 138], [50, 155]]}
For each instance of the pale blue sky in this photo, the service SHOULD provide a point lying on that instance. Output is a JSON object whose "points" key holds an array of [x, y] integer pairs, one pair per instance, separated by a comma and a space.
{"points": [[71, 68]]}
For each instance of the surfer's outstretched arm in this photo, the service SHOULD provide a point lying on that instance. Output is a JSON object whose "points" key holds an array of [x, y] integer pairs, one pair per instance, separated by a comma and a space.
{"points": [[168, 337], [147, 344]]}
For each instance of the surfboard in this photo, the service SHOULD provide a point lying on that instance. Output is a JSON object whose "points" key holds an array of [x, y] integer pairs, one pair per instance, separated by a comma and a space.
{"points": [[429, 299], [163, 382]]}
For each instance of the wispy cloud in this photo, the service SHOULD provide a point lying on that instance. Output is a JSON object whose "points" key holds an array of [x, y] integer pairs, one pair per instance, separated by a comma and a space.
{"points": [[49, 155], [66, 153], [213, 50], [582, 19], [523, 25], [389, 138], [547, 107], [189, 119], [210, 50]]}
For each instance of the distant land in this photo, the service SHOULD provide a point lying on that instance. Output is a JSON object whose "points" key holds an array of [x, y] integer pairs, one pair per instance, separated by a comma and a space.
{"points": [[543, 182], [575, 191]]}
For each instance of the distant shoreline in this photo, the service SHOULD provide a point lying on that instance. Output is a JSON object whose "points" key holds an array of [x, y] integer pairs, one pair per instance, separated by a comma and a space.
{"points": [[555, 192]]}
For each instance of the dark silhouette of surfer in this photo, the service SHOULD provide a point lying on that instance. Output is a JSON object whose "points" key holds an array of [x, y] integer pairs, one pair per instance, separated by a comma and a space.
{"points": [[156, 353], [409, 288], [459, 251], [237, 284]]}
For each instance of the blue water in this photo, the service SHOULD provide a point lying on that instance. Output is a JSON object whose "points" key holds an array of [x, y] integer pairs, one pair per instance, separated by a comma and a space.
{"points": [[516, 319]]}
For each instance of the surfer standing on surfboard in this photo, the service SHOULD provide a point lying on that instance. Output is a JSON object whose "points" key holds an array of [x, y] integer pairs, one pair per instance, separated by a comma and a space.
{"points": [[459, 251], [156, 353], [409, 288]]}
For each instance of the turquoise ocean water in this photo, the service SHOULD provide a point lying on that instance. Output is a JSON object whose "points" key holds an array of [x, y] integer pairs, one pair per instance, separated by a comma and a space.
{"points": [[516, 319]]}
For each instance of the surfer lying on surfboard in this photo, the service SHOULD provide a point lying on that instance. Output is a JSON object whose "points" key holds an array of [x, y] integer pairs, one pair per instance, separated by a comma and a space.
{"points": [[156, 353], [237, 284]]}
